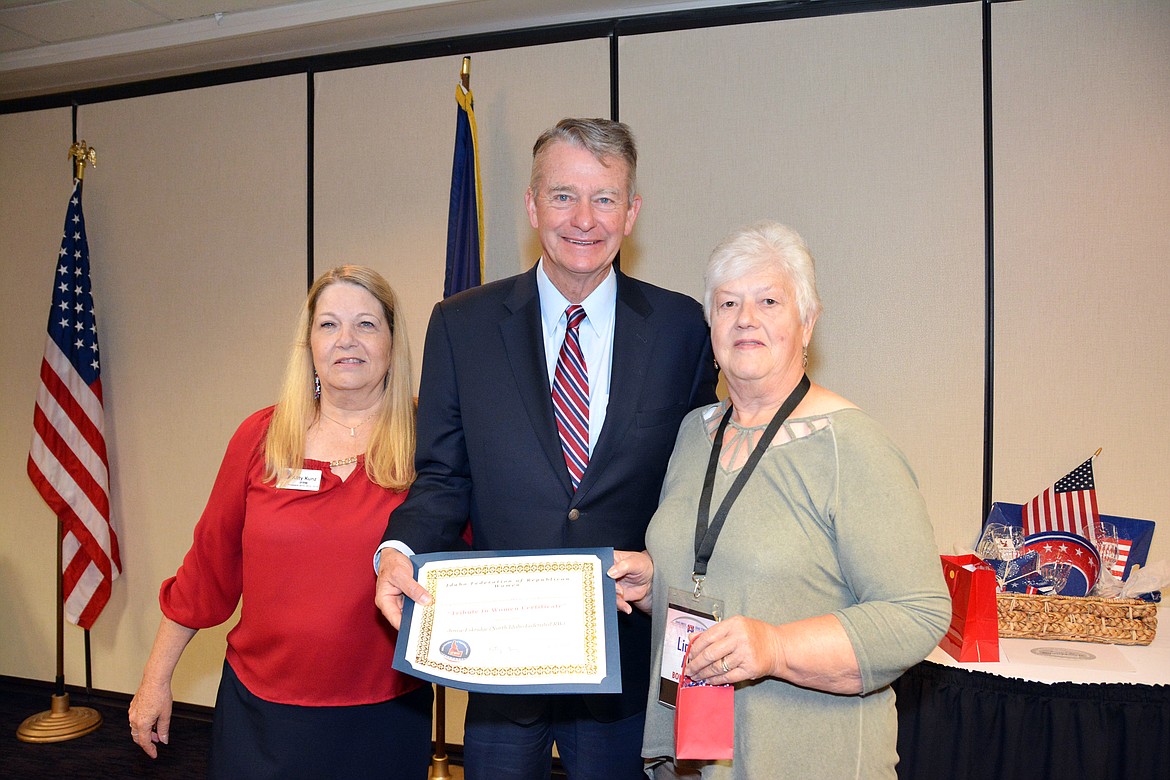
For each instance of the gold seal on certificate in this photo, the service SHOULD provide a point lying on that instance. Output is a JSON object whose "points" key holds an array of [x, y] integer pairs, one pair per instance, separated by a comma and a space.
{"points": [[523, 621]]}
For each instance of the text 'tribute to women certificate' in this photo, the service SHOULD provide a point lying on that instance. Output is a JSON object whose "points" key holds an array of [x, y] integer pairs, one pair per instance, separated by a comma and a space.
{"points": [[521, 621]]}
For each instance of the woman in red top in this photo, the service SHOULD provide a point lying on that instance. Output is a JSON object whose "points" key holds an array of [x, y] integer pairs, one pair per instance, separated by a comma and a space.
{"points": [[307, 687]]}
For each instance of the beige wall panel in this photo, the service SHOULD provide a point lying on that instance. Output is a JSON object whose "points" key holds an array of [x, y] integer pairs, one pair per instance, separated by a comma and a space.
{"points": [[1082, 191], [384, 140], [864, 133], [34, 192], [196, 226]]}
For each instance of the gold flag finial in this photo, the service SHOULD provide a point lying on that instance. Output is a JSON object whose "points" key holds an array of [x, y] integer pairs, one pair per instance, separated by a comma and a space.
{"points": [[465, 73], [82, 153]]}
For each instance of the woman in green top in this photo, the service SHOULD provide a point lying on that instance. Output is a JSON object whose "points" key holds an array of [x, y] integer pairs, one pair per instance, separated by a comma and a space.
{"points": [[811, 544]]}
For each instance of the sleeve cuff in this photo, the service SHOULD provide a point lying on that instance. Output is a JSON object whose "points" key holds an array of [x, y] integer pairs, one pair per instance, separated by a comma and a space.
{"points": [[393, 544]]}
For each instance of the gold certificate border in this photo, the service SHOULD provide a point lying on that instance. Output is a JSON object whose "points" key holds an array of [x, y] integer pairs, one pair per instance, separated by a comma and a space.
{"points": [[585, 569]]}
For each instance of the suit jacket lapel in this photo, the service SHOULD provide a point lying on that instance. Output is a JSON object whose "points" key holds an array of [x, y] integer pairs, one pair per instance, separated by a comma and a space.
{"points": [[524, 343], [632, 338]]}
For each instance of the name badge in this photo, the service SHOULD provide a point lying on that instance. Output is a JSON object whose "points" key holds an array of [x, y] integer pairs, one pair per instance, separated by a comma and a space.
{"points": [[303, 479], [686, 617]]}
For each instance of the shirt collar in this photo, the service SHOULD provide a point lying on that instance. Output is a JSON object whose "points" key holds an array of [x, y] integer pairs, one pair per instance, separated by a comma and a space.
{"points": [[599, 306]]}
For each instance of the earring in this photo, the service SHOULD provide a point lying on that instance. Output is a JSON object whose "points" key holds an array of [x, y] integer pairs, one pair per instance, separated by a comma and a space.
{"points": [[316, 386], [716, 362], [805, 363]]}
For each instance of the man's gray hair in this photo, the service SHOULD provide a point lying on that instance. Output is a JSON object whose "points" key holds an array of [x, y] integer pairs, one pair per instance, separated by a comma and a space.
{"points": [[603, 138]]}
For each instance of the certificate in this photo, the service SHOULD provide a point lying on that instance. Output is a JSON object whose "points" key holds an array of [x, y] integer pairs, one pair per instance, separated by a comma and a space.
{"points": [[521, 621]]}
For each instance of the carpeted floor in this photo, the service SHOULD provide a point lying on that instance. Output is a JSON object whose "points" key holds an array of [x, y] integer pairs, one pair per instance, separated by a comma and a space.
{"points": [[106, 754]]}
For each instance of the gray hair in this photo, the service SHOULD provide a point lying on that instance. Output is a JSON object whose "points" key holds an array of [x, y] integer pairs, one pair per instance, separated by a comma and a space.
{"points": [[762, 247], [603, 138]]}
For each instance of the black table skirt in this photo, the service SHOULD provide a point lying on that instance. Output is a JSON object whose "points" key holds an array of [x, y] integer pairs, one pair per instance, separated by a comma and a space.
{"points": [[955, 724]]}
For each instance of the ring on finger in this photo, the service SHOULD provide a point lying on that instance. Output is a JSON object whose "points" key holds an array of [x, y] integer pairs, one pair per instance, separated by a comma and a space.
{"points": [[723, 661]]}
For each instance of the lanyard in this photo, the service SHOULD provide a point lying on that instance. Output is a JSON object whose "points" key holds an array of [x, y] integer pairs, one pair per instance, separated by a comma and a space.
{"points": [[707, 530]]}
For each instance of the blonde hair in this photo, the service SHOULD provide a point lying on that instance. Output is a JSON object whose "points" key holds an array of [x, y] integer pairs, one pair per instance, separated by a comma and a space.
{"points": [[390, 455]]}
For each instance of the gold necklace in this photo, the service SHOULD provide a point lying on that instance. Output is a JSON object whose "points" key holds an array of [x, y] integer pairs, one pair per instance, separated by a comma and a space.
{"points": [[343, 461], [352, 428]]}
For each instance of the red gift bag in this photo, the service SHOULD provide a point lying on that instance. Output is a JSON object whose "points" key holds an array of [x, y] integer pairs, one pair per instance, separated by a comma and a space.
{"points": [[974, 631], [704, 720]]}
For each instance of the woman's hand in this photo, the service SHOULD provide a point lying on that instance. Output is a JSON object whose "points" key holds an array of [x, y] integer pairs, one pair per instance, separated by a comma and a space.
{"points": [[150, 709], [634, 574], [150, 716], [813, 653], [733, 650]]}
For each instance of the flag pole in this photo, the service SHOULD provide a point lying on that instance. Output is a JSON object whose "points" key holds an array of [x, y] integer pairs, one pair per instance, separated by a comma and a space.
{"points": [[440, 766], [61, 722]]}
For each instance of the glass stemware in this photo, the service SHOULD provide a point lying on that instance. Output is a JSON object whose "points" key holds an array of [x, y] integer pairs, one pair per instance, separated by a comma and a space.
{"points": [[1106, 541], [987, 548], [1055, 566], [1009, 542]]}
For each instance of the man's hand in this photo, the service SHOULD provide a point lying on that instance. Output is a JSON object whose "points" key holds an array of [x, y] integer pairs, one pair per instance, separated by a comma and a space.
{"points": [[396, 580], [634, 573]]}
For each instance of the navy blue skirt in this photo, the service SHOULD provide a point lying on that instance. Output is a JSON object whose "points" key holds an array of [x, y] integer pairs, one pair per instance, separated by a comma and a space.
{"points": [[252, 738]]}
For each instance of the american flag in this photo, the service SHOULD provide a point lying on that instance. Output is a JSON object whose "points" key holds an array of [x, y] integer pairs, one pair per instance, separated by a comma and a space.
{"points": [[1123, 548], [67, 460], [1070, 505]]}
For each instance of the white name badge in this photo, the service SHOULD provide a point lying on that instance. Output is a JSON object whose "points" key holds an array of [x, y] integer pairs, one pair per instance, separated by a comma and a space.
{"points": [[304, 479], [686, 616]]}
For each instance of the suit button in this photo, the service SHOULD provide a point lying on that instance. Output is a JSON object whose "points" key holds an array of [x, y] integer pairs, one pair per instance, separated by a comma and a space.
{"points": [[574, 514]]}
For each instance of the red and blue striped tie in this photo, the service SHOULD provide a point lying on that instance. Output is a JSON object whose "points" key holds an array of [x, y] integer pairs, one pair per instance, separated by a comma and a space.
{"points": [[570, 396]]}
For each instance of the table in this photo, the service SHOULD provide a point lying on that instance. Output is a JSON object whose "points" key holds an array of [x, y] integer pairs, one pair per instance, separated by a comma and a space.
{"points": [[1075, 710]]}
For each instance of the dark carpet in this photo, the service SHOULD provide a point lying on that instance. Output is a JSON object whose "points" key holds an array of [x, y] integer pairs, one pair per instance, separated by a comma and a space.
{"points": [[106, 754]]}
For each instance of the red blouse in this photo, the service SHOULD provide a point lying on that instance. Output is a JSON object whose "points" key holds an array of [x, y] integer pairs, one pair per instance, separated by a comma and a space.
{"points": [[309, 633]]}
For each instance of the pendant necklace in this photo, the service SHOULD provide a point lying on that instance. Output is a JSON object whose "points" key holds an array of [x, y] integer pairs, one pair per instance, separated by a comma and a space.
{"points": [[351, 428]]}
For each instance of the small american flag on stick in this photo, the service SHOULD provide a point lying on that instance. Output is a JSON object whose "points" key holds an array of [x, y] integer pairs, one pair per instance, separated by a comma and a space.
{"points": [[1070, 505]]}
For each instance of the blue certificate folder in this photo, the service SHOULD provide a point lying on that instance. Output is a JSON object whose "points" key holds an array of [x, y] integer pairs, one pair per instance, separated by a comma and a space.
{"points": [[611, 683]]}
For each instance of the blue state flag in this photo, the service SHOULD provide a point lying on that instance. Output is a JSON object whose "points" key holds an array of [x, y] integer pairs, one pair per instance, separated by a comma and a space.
{"points": [[465, 217]]}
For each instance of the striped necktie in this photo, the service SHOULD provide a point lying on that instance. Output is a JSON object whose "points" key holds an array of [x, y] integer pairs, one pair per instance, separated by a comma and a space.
{"points": [[570, 396]]}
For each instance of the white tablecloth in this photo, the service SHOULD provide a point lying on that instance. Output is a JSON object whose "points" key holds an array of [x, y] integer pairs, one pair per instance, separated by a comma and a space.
{"points": [[1051, 661]]}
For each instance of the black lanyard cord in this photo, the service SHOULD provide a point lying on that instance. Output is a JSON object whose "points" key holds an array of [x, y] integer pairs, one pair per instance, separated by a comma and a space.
{"points": [[707, 530]]}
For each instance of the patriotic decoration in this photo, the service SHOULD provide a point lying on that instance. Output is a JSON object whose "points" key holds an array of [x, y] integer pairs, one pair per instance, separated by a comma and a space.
{"points": [[1133, 535], [465, 210], [465, 215], [1085, 563], [1123, 548], [1069, 506], [67, 461]]}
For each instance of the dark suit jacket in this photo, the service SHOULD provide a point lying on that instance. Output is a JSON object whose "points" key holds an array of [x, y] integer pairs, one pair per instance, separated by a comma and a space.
{"points": [[488, 447]]}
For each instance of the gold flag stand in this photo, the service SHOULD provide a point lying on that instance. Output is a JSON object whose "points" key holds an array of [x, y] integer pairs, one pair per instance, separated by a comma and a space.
{"points": [[61, 722]]}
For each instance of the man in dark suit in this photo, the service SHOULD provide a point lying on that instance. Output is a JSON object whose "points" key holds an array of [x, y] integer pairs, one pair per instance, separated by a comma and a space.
{"points": [[552, 431]]}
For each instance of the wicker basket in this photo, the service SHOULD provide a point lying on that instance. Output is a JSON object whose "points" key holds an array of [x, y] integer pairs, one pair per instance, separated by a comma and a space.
{"points": [[1077, 618]]}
